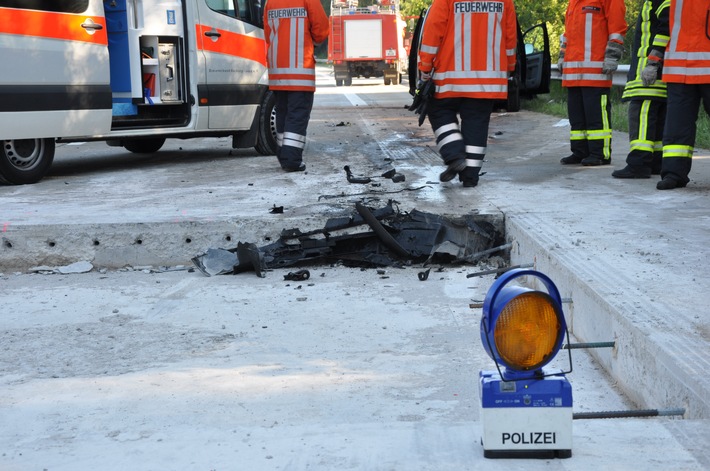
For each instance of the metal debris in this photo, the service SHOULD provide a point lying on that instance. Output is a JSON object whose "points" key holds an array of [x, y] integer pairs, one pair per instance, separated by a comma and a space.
{"points": [[373, 238]]}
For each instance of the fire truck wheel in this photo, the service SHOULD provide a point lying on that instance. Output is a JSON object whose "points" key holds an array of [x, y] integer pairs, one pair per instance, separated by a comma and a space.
{"points": [[24, 161], [338, 82], [348, 81], [266, 143], [144, 146], [388, 81]]}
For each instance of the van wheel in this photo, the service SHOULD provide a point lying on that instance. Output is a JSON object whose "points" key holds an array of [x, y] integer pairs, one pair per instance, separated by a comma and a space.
{"points": [[144, 146], [24, 161], [266, 142]]}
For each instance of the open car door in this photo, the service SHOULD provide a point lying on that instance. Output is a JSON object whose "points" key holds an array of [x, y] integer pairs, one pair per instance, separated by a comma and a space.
{"points": [[538, 65]]}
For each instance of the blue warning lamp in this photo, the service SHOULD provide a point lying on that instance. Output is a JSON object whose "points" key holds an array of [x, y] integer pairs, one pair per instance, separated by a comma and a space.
{"points": [[525, 411], [522, 329]]}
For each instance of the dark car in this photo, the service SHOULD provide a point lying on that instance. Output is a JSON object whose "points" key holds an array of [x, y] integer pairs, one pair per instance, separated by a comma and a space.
{"points": [[532, 70]]}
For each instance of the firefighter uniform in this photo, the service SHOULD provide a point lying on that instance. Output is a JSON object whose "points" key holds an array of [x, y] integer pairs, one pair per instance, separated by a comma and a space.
{"points": [[589, 51], [686, 70], [291, 28], [647, 101], [471, 47]]}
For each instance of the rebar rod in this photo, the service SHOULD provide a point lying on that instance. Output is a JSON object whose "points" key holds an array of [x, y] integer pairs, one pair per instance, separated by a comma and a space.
{"points": [[613, 414], [589, 345]]}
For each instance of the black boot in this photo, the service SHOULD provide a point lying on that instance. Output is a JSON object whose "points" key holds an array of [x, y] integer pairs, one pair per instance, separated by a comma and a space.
{"points": [[632, 172]]}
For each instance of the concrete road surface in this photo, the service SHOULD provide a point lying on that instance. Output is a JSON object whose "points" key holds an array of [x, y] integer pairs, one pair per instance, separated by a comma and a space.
{"points": [[142, 364]]}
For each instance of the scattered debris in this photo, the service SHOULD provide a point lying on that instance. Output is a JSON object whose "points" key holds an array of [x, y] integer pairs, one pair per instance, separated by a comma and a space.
{"points": [[390, 174], [77, 267], [277, 210], [300, 275], [372, 238], [353, 179], [424, 275]]}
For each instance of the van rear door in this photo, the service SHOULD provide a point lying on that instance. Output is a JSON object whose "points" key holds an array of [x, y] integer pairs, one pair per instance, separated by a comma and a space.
{"points": [[55, 69], [232, 62]]}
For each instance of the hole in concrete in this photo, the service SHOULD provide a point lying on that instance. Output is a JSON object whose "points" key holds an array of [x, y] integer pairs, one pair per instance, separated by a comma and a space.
{"points": [[8, 244], [139, 241], [96, 242], [51, 243], [228, 238], [188, 240]]}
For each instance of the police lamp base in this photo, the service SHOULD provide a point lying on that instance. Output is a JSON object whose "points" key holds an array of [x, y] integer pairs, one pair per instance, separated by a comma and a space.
{"points": [[526, 418]]}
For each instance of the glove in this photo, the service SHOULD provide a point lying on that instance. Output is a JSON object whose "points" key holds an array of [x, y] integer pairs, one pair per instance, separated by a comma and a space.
{"points": [[612, 56], [650, 73], [420, 103], [424, 76]]}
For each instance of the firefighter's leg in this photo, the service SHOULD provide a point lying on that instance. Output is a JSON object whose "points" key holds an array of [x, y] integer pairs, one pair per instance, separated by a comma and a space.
{"points": [[578, 126], [449, 140], [475, 121], [281, 108], [679, 135], [597, 112], [642, 128], [659, 112], [300, 105]]}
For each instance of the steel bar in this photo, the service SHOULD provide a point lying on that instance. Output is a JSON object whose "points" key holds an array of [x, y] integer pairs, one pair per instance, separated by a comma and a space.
{"points": [[589, 345], [614, 414]]}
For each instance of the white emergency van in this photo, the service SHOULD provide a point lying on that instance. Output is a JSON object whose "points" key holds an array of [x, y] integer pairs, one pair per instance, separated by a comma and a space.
{"points": [[132, 73]]}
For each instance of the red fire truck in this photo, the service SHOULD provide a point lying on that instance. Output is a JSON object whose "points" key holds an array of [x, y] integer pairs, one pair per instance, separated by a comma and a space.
{"points": [[366, 41]]}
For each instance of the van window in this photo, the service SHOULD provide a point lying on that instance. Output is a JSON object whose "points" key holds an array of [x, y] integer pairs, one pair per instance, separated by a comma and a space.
{"points": [[234, 8], [62, 6]]}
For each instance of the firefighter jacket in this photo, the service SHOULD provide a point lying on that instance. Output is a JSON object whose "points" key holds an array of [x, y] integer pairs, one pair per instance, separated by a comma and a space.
{"points": [[291, 28], [651, 33], [687, 58], [471, 46], [589, 26]]}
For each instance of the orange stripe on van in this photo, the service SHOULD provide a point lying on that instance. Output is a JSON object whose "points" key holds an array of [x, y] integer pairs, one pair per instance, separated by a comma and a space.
{"points": [[51, 25], [233, 44]]}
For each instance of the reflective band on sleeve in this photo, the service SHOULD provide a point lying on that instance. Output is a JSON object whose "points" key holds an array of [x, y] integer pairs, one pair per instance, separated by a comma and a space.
{"points": [[429, 49]]}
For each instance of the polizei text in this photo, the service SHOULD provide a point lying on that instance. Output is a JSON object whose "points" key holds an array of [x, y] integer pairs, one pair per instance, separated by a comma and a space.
{"points": [[530, 438]]}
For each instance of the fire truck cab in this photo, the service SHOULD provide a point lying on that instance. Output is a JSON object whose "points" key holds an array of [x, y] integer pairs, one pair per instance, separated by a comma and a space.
{"points": [[132, 73]]}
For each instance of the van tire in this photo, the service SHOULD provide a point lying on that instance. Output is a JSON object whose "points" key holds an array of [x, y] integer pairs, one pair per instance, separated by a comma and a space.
{"points": [[266, 142], [144, 146], [25, 161]]}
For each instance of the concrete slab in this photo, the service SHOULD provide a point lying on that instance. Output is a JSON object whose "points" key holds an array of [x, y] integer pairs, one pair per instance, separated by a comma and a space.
{"points": [[631, 258]]}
